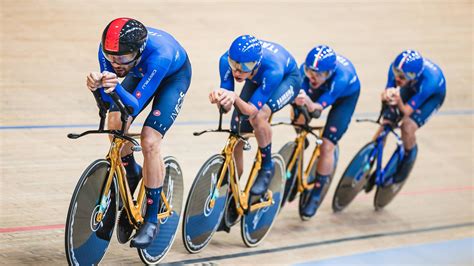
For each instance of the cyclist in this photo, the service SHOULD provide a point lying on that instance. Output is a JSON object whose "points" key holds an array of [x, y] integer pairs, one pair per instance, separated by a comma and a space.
{"points": [[156, 69], [329, 80], [272, 80], [415, 90]]}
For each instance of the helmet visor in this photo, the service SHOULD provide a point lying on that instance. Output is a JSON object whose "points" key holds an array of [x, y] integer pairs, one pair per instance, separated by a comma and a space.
{"points": [[399, 74], [311, 73], [126, 59], [242, 67]]}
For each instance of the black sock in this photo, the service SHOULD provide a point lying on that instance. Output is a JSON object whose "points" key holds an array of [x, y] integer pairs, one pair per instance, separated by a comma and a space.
{"points": [[266, 156], [133, 170]]}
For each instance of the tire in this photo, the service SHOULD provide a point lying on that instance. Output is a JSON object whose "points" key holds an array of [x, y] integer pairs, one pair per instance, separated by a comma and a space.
{"points": [[200, 221], [385, 194], [86, 241], [173, 188], [256, 225], [286, 153], [354, 178]]}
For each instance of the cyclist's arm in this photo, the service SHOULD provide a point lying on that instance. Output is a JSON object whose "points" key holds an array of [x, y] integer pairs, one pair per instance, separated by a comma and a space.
{"points": [[104, 66], [271, 81], [335, 89], [385, 97], [425, 91], [146, 88], [390, 79], [225, 72]]}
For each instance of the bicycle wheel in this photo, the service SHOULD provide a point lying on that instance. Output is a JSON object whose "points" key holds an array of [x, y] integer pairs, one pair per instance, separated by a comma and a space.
{"points": [[304, 196], [286, 153], [86, 241], [385, 194], [354, 178], [173, 188], [257, 224], [200, 219]]}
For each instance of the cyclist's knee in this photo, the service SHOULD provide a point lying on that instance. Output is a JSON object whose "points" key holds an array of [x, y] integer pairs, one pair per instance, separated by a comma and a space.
{"points": [[408, 126], [327, 148], [151, 141], [262, 116]]}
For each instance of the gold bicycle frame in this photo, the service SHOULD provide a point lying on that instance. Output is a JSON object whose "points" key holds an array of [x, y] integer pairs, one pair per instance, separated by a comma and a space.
{"points": [[240, 197], [302, 178], [133, 210]]}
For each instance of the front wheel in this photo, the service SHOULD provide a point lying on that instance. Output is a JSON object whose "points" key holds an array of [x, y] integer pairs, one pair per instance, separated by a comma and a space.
{"points": [[354, 178], [87, 240], [173, 189], [201, 219], [256, 225]]}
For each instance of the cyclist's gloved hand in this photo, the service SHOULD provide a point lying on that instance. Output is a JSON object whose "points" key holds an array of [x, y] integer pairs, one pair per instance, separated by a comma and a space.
{"points": [[94, 81], [391, 96], [109, 81], [301, 100], [226, 99]]}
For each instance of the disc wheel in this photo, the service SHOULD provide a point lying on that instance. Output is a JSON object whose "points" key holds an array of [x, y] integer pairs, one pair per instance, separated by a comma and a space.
{"points": [[201, 219], [256, 225], [86, 240], [173, 189]]}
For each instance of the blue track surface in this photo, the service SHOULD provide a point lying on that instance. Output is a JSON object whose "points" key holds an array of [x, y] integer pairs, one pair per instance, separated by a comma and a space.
{"points": [[455, 252]]}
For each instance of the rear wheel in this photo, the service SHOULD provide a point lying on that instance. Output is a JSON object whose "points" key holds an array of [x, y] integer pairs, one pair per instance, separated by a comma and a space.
{"points": [[201, 220], [355, 177], [173, 189], [385, 193], [87, 240], [256, 225]]}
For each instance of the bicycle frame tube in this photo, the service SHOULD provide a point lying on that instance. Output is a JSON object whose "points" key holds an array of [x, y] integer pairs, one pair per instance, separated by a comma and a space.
{"points": [[312, 160], [301, 176], [380, 170], [133, 210]]}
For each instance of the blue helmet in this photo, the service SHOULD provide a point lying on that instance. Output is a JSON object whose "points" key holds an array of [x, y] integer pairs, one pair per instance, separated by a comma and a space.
{"points": [[321, 58], [410, 63], [246, 50]]}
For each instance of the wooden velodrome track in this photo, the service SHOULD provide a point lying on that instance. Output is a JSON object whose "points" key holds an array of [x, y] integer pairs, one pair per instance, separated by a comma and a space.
{"points": [[47, 48]]}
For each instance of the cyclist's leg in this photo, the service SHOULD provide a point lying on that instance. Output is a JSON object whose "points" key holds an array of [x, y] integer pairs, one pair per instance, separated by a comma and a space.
{"points": [[166, 106], [283, 95], [409, 126], [337, 124]]}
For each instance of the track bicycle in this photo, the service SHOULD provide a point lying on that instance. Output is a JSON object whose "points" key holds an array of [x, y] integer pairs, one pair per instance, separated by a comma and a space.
{"points": [[103, 186], [215, 197]]}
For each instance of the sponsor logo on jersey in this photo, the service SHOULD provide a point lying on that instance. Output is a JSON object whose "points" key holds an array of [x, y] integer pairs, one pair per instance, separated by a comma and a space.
{"points": [[157, 113], [178, 106], [285, 98], [149, 79], [138, 94]]}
